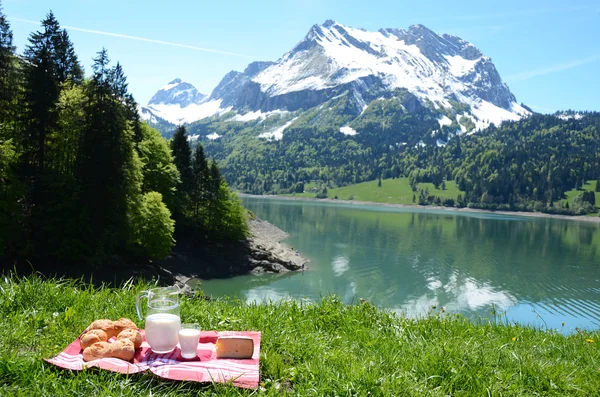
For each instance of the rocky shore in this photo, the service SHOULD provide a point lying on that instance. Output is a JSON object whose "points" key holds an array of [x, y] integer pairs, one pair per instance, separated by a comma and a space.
{"points": [[262, 252], [193, 257]]}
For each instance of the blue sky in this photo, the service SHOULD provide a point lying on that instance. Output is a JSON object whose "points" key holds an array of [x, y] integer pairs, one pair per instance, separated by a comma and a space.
{"points": [[548, 52]]}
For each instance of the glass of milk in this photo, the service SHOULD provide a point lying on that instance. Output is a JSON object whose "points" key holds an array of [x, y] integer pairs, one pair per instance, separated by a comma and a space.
{"points": [[189, 337]]}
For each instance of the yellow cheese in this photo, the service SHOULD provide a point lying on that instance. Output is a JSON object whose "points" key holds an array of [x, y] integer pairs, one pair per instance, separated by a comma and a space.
{"points": [[235, 347]]}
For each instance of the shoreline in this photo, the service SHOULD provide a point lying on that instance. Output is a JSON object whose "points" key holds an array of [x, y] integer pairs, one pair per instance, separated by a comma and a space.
{"points": [[583, 218]]}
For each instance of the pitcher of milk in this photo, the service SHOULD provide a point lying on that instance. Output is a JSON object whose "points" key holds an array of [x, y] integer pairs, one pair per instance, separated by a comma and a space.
{"points": [[162, 318]]}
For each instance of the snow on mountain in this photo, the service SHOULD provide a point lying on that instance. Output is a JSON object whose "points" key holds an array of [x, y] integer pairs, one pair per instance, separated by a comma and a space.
{"points": [[277, 133], [435, 68], [348, 130], [175, 114], [177, 92], [180, 102], [444, 73]]}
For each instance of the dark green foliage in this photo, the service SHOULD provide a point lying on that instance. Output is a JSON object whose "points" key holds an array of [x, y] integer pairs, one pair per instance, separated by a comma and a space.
{"points": [[160, 173], [182, 157], [536, 159], [81, 178], [106, 151], [200, 184], [588, 197], [7, 77]]}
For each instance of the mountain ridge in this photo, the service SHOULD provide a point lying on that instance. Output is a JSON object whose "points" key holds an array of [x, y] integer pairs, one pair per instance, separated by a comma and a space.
{"points": [[442, 71]]}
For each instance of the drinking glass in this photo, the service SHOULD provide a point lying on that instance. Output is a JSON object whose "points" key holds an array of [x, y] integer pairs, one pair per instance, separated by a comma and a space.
{"points": [[189, 337]]}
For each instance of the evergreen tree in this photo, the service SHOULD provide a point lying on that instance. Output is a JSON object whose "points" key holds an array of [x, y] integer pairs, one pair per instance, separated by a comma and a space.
{"points": [[200, 173], [182, 156], [598, 185], [106, 169], [51, 61], [379, 181], [7, 77], [213, 197]]}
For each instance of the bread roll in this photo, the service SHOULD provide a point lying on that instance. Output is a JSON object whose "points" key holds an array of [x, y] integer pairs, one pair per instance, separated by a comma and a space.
{"points": [[133, 335], [91, 337], [96, 351], [123, 324], [123, 349], [105, 325]]}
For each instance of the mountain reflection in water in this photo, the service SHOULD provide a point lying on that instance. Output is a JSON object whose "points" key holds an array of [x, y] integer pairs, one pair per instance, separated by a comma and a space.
{"points": [[540, 271]]}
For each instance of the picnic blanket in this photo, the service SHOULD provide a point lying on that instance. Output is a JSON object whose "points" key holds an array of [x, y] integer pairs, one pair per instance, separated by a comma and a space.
{"points": [[205, 368]]}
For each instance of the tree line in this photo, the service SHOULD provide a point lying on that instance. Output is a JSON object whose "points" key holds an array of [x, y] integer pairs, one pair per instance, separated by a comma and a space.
{"points": [[81, 177], [527, 164]]}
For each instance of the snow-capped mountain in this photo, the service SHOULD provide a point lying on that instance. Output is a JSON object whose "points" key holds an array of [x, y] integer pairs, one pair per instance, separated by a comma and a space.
{"points": [[444, 73], [176, 103]]}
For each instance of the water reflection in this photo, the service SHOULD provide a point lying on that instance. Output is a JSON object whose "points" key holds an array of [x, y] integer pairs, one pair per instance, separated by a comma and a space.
{"points": [[409, 261]]}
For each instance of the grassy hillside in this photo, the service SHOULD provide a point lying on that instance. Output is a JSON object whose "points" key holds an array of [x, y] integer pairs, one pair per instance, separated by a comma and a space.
{"points": [[325, 348], [393, 191], [571, 194]]}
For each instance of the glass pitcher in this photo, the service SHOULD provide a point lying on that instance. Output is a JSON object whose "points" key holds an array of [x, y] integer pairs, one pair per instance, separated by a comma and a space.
{"points": [[162, 318]]}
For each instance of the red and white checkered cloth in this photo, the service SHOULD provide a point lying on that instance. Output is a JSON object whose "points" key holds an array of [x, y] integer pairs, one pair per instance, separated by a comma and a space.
{"points": [[204, 368]]}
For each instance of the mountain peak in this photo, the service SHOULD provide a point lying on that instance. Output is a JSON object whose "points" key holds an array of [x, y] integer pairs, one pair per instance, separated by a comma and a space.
{"points": [[177, 92], [329, 23]]}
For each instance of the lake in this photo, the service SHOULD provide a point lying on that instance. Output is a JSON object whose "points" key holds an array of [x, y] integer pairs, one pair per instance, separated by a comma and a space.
{"points": [[535, 271]]}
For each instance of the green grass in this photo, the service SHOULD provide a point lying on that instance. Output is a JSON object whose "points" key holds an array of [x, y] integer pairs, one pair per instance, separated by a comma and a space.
{"points": [[571, 194], [308, 191], [322, 349], [393, 191]]}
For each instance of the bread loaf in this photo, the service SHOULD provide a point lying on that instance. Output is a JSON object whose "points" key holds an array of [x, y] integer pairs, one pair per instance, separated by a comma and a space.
{"points": [[96, 351], [123, 349], [123, 324], [95, 343], [105, 325], [91, 337], [133, 335]]}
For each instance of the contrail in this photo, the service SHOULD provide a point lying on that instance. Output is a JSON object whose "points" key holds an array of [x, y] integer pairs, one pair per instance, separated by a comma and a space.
{"points": [[124, 36], [551, 69]]}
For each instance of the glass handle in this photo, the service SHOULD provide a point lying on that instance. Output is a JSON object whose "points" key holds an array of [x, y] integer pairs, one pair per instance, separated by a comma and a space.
{"points": [[137, 303]]}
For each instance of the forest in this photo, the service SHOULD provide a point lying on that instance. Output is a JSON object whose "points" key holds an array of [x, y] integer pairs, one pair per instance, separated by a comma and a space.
{"points": [[82, 179], [521, 165]]}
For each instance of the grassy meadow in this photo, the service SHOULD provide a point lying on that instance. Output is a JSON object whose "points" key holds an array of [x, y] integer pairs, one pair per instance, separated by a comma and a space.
{"points": [[571, 194], [392, 191], [307, 349]]}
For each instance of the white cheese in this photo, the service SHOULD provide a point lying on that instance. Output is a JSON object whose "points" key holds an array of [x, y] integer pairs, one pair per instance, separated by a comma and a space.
{"points": [[235, 347]]}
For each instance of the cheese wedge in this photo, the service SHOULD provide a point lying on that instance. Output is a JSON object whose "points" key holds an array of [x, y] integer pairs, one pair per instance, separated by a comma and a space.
{"points": [[235, 347]]}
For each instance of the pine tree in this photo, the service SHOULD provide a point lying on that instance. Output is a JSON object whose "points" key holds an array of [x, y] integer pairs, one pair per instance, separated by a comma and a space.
{"points": [[213, 197], [51, 62], [182, 156], [7, 76], [200, 172], [107, 169]]}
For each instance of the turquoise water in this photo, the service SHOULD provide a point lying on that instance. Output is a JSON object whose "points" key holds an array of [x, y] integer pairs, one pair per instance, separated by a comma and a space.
{"points": [[535, 271]]}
